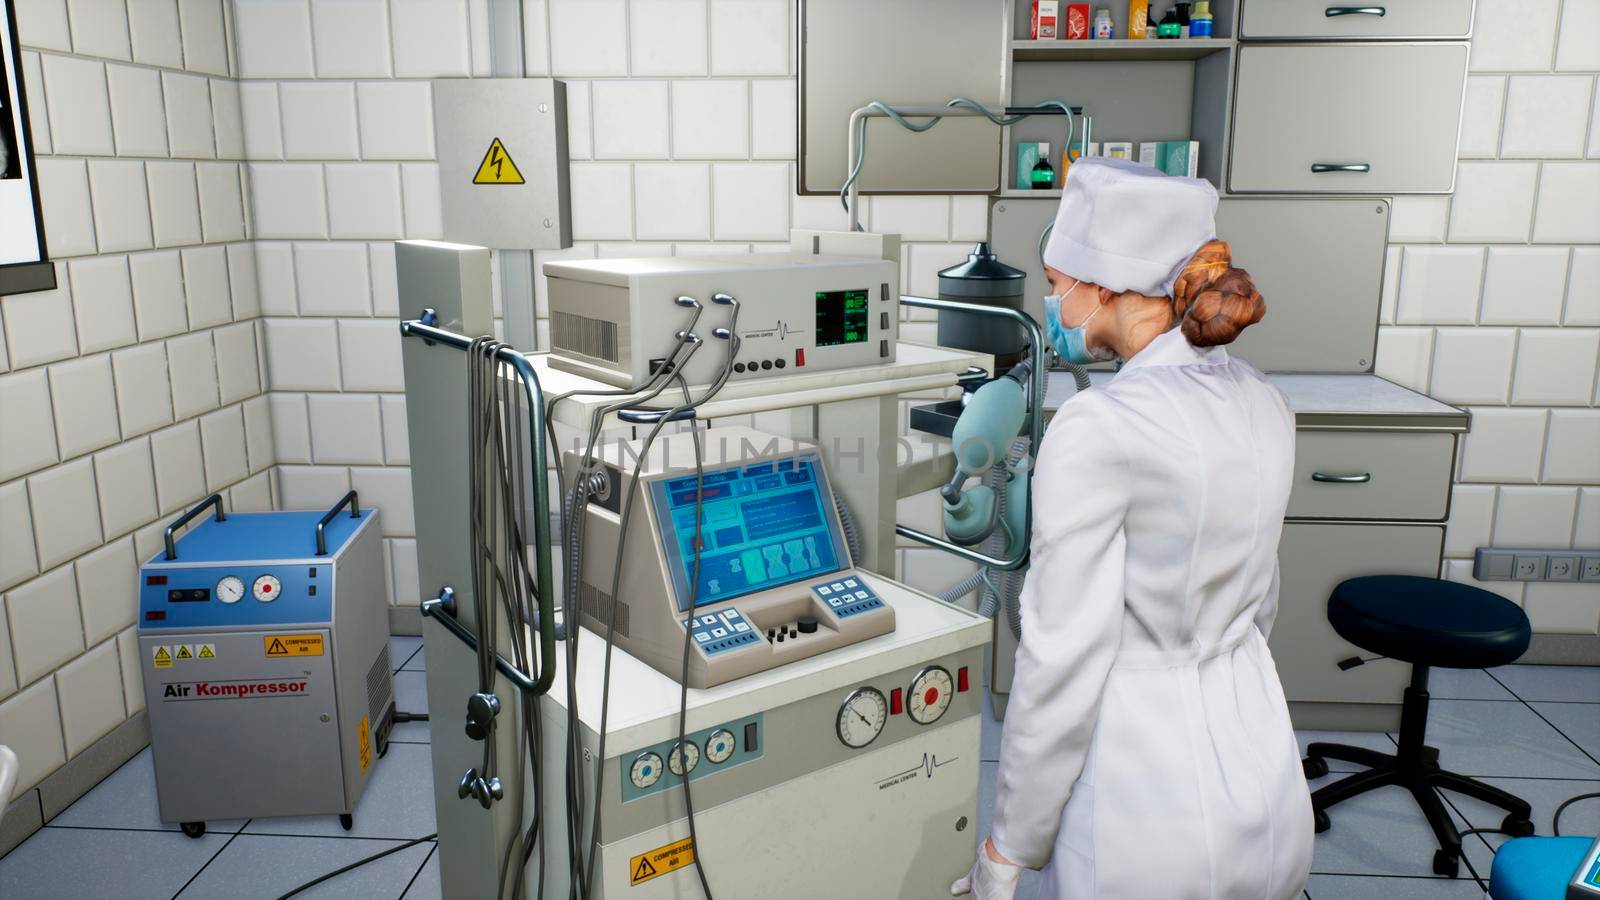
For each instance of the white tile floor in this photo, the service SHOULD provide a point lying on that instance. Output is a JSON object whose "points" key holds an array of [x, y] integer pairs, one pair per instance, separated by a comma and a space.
{"points": [[1533, 730]]}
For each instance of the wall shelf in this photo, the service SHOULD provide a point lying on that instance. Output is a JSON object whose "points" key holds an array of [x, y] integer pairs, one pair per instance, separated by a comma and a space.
{"points": [[1118, 49]]}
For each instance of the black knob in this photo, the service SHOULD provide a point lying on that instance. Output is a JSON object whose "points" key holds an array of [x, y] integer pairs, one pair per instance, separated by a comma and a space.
{"points": [[779, 363], [738, 367], [808, 625], [771, 635], [766, 364], [780, 637]]}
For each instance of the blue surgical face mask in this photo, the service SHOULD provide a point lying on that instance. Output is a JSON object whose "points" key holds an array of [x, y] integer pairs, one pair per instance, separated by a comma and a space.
{"points": [[1071, 344]]}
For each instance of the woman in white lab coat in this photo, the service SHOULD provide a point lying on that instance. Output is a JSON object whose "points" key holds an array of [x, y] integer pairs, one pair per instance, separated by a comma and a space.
{"points": [[1147, 750]]}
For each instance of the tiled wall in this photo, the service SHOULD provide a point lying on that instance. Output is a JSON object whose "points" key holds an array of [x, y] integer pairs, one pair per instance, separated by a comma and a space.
{"points": [[1493, 297], [134, 388]]}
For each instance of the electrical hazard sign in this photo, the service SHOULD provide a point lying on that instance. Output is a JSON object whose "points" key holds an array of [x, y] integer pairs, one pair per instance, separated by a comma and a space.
{"points": [[292, 644], [163, 657], [497, 167], [660, 861]]}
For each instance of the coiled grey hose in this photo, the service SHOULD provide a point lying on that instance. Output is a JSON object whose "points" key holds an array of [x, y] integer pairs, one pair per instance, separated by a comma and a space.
{"points": [[852, 538], [1010, 583]]}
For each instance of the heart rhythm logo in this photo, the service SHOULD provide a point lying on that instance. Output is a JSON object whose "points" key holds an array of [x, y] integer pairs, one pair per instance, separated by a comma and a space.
{"points": [[781, 331], [929, 765]]}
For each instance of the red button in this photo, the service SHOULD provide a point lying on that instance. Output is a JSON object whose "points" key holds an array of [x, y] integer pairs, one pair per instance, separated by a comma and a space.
{"points": [[799, 357], [155, 615], [266, 589], [930, 696], [961, 680], [896, 703]]}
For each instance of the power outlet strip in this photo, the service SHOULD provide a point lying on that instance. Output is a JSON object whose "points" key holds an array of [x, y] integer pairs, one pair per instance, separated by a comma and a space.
{"points": [[1504, 564]]}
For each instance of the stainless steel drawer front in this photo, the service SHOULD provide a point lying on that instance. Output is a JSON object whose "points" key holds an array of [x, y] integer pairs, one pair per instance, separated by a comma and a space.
{"points": [[1359, 475], [1295, 19]]}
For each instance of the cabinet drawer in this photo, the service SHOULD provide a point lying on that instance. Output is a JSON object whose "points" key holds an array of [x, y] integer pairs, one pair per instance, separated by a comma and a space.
{"points": [[1347, 118], [1332, 19], [1371, 475]]}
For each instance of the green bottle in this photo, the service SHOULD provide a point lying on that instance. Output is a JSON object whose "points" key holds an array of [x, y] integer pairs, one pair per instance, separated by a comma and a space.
{"points": [[1043, 177], [1170, 27]]}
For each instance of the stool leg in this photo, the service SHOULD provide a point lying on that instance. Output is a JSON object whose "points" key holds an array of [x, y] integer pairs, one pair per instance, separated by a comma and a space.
{"points": [[1345, 788], [1488, 793], [1361, 756], [1443, 829]]}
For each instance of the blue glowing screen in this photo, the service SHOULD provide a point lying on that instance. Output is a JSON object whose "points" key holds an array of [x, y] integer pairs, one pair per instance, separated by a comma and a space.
{"points": [[762, 526]]}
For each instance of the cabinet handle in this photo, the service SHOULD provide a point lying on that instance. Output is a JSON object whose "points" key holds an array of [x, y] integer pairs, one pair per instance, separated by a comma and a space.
{"points": [[1325, 478], [1341, 167], [1332, 11]]}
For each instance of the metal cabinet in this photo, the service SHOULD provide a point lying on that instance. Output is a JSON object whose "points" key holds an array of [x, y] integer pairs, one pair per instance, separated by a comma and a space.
{"points": [[1332, 19], [1347, 118]]}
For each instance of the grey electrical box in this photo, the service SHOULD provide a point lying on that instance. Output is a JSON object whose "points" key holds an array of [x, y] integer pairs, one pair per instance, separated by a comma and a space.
{"points": [[502, 146]]}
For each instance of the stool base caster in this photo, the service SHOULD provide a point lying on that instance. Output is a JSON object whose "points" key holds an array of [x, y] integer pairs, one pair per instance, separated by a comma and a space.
{"points": [[347, 821], [1319, 818], [1517, 826], [194, 829], [1446, 863], [1314, 767]]}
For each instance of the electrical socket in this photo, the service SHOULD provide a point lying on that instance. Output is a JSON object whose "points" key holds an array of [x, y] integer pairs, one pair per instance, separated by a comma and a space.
{"points": [[1507, 564], [1591, 568], [1528, 568], [1562, 568]]}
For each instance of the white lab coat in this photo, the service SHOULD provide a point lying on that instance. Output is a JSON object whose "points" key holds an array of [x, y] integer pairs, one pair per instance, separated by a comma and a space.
{"points": [[1147, 750]]}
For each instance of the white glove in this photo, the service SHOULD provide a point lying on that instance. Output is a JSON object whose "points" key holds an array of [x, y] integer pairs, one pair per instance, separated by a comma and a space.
{"points": [[989, 879]]}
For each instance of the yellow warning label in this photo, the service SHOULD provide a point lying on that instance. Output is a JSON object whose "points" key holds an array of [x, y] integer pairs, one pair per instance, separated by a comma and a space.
{"points": [[497, 167], [184, 651], [163, 657], [660, 861], [364, 746], [292, 644], [206, 651]]}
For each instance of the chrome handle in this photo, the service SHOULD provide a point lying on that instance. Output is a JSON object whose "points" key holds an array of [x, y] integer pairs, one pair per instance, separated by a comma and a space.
{"points": [[1333, 11], [1341, 167], [1325, 478]]}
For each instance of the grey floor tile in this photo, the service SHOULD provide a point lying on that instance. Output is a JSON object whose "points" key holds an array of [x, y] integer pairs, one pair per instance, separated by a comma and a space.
{"points": [[991, 731], [426, 885], [396, 803], [1544, 795], [1488, 738], [411, 691], [1382, 832], [1356, 887], [410, 733], [74, 863], [418, 662], [1580, 722], [402, 647], [1570, 683], [127, 799], [266, 866], [1465, 684], [1371, 740]]}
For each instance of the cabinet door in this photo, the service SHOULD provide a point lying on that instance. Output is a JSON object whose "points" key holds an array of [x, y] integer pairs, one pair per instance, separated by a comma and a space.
{"points": [[1365, 475], [1348, 118], [1335, 19], [1313, 558]]}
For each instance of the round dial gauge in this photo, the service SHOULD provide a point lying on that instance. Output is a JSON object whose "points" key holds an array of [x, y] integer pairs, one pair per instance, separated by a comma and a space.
{"points": [[230, 589], [720, 746], [267, 588], [862, 717], [684, 758], [646, 770], [930, 696]]}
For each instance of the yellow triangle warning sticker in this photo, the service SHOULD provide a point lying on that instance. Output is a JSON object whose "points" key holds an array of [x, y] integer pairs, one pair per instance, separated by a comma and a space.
{"points": [[276, 648], [206, 652], [184, 652], [497, 167], [161, 653], [645, 870]]}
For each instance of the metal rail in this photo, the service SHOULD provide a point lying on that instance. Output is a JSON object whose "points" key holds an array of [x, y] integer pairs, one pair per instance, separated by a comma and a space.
{"points": [[442, 610]]}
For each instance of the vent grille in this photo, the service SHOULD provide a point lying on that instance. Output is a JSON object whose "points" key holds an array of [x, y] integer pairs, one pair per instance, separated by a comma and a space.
{"points": [[597, 603], [380, 685], [580, 334]]}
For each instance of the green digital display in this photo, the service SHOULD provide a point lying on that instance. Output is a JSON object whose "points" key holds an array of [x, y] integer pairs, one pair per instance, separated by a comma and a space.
{"points": [[842, 317]]}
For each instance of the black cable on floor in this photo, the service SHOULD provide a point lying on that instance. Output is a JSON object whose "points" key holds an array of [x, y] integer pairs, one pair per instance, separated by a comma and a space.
{"points": [[357, 864], [410, 717]]}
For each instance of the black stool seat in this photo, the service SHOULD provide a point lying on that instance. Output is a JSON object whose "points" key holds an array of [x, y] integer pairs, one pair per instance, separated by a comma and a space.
{"points": [[1429, 622]]}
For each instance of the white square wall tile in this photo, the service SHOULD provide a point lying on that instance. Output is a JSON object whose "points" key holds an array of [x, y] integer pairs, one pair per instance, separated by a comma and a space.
{"points": [[275, 278], [191, 131], [1504, 445], [39, 326], [772, 131], [750, 201], [351, 38], [34, 717], [205, 280], [159, 306], [1556, 367], [1583, 287], [132, 677], [1524, 286], [913, 218], [311, 487], [319, 120], [99, 28], [157, 39], [127, 485], [420, 184], [287, 200], [396, 439], [331, 279], [1573, 453], [242, 281], [364, 201], [431, 39], [396, 119], [1493, 201], [1473, 365], [273, 38], [253, 494], [1577, 49], [261, 121], [65, 518], [1587, 532], [710, 119], [121, 205], [1460, 571], [43, 23], [38, 109], [85, 401], [602, 195], [1405, 356], [205, 42], [630, 119], [18, 560], [1417, 219], [404, 574], [1547, 116], [749, 37], [90, 688], [192, 364], [8, 671], [137, 110], [302, 354], [237, 364], [227, 117], [388, 490], [144, 396], [223, 444], [64, 202], [174, 203], [179, 466], [102, 301], [579, 121], [673, 201], [291, 428], [1471, 519], [369, 355], [80, 109], [45, 628], [108, 590], [1569, 194], [666, 37], [1439, 286], [385, 289], [590, 37], [1555, 608], [1482, 111], [345, 428], [1529, 516], [1513, 36], [25, 397]]}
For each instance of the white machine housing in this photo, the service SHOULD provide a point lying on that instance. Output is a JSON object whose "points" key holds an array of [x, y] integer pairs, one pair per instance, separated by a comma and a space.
{"points": [[616, 320]]}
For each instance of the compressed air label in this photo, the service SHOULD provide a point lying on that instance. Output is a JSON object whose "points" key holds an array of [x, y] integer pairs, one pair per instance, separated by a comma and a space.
{"points": [[660, 861], [292, 644]]}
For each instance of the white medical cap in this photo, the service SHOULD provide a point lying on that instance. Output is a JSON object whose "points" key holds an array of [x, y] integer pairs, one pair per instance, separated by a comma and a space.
{"points": [[1129, 227]]}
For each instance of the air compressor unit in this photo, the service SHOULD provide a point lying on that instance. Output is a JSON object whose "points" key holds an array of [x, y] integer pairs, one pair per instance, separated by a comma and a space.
{"points": [[264, 644]]}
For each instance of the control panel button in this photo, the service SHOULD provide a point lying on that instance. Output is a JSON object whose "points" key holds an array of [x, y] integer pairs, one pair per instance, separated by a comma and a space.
{"points": [[807, 625], [779, 362], [720, 746], [267, 588], [738, 367], [646, 770], [766, 364], [684, 758]]}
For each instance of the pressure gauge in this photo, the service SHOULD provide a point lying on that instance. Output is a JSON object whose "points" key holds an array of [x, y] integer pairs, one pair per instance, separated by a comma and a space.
{"points": [[267, 588], [684, 758], [230, 589], [862, 717], [720, 746], [646, 770], [931, 691]]}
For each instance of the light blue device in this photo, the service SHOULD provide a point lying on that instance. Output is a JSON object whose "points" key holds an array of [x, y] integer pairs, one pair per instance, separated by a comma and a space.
{"points": [[264, 644], [1538, 868], [993, 416], [1585, 884]]}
